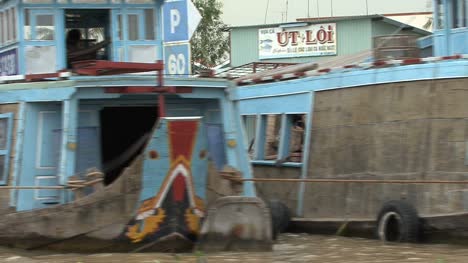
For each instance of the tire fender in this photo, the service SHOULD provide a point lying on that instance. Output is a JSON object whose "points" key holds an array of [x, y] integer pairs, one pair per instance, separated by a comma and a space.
{"points": [[280, 217], [398, 221]]}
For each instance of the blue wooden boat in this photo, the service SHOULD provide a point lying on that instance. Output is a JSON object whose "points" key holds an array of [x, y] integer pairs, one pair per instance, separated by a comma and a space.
{"points": [[371, 148], [99, 151]]}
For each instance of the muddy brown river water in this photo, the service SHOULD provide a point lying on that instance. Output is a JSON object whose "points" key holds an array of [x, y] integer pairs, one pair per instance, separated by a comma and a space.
{"points": [[288, 248]]}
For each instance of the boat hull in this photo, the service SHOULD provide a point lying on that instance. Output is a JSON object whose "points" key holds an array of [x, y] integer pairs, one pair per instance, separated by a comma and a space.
{"points": [[448, 228], [121, 217]]}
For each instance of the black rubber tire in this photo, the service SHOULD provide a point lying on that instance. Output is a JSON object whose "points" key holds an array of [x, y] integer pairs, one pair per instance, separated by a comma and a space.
{"points": [[280, 217], [398, 221]]}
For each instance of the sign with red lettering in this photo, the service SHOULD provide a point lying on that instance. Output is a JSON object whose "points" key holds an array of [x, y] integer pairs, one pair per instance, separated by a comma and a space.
{"points": [[304, 41]]}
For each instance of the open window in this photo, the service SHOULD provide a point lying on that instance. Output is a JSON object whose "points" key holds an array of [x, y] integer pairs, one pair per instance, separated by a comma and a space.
{"points": [[87, 34], [6, 123], [250, 125], [275, 139]]}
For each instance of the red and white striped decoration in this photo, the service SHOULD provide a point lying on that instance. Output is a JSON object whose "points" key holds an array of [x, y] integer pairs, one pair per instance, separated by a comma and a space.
{"points": [[35, 77], [366, 65]]}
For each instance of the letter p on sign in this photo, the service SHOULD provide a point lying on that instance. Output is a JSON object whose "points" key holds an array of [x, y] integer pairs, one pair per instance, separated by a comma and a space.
{"points": [[175, 20]]}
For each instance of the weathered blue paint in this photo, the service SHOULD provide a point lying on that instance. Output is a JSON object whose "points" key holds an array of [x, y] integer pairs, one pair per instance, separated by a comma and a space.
{"points": [[58, 10], [69, 140], [200, 162], [260, 136], [305, 155], [20, 122], [285, 136], [216, 145], [236, 151], [5, 150], [275, 104], [40, 151], [447, 38], [155, 171], [352, 78], [11, 93], [88, 151]]}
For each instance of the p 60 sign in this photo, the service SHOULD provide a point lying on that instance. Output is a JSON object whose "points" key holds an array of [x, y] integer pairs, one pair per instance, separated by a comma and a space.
{"points": [[181, 19], [177, 59]]}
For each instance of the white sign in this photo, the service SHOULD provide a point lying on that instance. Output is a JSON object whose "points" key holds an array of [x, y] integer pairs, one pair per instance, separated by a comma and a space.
{"points": [[304, 41]]}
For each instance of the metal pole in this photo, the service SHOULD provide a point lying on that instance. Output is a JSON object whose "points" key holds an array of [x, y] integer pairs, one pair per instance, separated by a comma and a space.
{"points": [[367, 7], [32, 187], [370, 181], [266, 11], [331, 7], [308, 8], [318, 10]]}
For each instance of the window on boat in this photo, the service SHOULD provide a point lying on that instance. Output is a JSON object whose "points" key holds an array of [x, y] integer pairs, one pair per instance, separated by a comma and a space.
{"points": [[296, 143], [275, 138], [440, 14], [5, 138], [141, 24], [457, 14], [2, 29], [87, 34], [250, 125], [7, 26], [461, 13], [39, 24], [272, 137]]}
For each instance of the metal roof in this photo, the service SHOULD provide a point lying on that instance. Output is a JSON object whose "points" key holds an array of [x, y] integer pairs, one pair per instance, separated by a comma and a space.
{"points": [[316, 20], [258, 69]]}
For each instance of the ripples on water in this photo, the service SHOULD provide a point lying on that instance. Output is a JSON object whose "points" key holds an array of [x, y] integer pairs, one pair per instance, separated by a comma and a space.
{"points": [[289, 248]]}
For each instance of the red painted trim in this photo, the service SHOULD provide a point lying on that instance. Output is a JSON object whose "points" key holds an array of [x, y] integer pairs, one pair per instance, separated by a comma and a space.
{"points": [[451, 57], [412, 61], [33, 77], [380, 63], [182, 90], [300, 73], [148, 89], [104, 67], [324, 70], [277, 77]]}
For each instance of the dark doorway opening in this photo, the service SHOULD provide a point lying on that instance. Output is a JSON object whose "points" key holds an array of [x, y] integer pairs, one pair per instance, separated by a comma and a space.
{"points": [[124, 132]]}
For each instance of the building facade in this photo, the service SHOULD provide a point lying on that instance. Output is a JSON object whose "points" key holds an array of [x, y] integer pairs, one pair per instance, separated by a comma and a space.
{"points": [[312, 39]]}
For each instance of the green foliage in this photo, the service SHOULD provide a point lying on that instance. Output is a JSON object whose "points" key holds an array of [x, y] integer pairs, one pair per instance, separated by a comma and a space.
{"points": [[210, 42]]}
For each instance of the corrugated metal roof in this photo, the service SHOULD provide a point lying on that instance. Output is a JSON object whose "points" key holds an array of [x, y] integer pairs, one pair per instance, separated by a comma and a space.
{"points": [[315, 20], [246, 71]]}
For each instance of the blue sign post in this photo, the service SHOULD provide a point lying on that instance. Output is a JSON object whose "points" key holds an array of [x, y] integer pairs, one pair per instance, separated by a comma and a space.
{"points": [[180, 21]]}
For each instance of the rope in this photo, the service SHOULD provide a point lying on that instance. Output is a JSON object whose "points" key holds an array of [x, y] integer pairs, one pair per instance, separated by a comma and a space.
{"points": [[350, 181]]}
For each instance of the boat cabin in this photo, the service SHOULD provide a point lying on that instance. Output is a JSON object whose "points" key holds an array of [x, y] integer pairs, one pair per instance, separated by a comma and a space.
{"points": [[49, 35], [70, 100], [450, 27]]}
